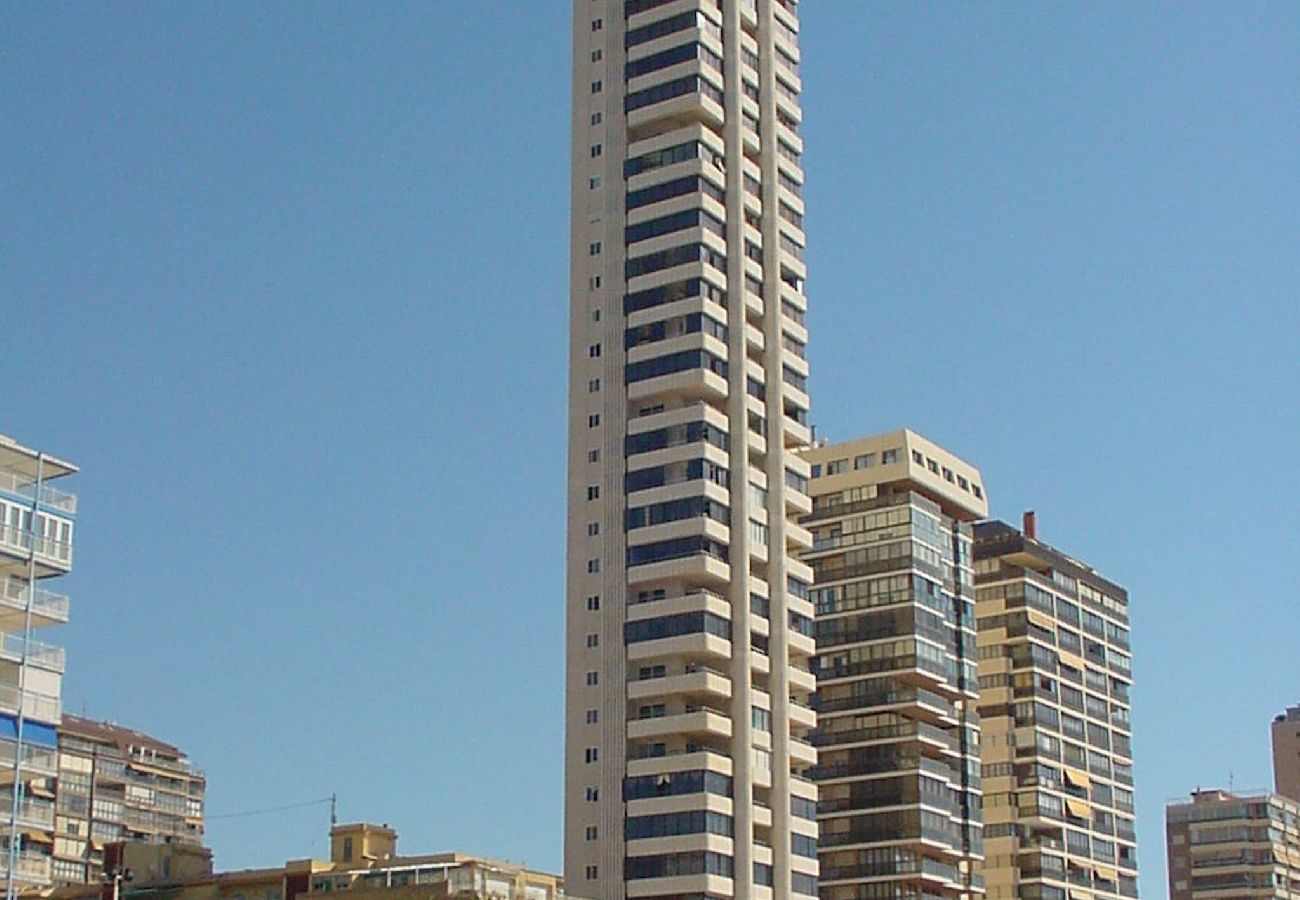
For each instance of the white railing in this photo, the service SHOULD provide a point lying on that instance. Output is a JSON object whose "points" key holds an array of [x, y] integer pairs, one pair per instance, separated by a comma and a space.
{"points": [[23, 485], [14, 593], [41, 707], [47, 656], [46, 548]]}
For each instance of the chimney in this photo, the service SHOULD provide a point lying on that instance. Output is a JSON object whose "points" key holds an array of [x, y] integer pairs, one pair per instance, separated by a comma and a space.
{"points": [[1030, 525]]}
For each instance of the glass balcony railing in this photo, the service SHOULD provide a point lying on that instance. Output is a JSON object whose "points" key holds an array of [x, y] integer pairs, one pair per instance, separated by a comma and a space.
{"points": [[14, 594], [46, 548], [21, 485], [47, 656]]}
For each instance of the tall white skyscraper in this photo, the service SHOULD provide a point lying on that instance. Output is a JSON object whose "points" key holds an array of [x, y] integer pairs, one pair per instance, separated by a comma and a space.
{"points": [[688, 619]]}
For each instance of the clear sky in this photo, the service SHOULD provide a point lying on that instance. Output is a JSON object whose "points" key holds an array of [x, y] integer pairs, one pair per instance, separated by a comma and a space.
{"points": [[289, 282]]}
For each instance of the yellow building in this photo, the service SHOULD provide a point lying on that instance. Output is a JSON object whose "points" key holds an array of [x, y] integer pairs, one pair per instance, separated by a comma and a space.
{"points": [[363, 862]]}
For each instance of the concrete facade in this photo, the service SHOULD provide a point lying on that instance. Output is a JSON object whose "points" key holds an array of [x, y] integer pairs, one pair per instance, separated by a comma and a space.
{"points": [[1055, 676], [688, 653], [1285, 733], [898, 735], [1222, 845], [36, 530], [119, 784], [374, 871]]}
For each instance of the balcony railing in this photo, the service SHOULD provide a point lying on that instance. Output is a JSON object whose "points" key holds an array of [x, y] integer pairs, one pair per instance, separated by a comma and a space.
{"points": [[29, 867], [31, 812], [35, 759], [23, 486], [14, 593], [35, 706], [48, 656], [46, 548]]}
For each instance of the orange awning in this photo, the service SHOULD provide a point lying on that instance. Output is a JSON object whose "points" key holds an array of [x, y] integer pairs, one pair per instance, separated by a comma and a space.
{"points": [[1078, 809]]}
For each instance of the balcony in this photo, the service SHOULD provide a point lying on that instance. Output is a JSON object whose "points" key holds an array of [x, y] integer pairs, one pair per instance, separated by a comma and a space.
{"points": [[36, 760], [33, 813], [14, 649], [31, 867], [701, 722], [19, 485], [48, 608], [35, 706], [52, 556]]}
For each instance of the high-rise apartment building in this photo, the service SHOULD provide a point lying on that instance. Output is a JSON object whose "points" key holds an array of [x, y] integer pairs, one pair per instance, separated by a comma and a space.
{"points": [[1055, 675], [1224, 845], [897, 735], [688, 619], [1286, 753], [36, 524], [118, 784]]}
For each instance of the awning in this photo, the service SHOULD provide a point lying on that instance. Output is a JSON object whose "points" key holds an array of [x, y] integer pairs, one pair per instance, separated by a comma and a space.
{"points": [[39, 837], [1078, 809], [1076, 894], [1041, 619], [1075, 778], [34, 733], [1108, 874]]}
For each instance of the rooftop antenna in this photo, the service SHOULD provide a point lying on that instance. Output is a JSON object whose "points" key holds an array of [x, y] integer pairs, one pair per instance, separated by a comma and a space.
{"points": [[334, 810]]}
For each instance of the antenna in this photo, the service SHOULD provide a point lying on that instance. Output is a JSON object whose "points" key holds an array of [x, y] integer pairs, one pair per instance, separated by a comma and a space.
{"points": [[334, 810], [1229, 781]]}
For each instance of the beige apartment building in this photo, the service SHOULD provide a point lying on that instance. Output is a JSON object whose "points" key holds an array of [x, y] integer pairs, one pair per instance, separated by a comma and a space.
{"points": [[118, 784], [1286, 753], [36, 525], [898, 734], [363, 865], [688, 619], [1055, 676], [1223, 845]]}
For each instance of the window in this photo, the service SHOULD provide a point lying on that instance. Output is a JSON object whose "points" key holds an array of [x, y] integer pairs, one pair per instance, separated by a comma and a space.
{"points": [[837, 467], [593, 420], [595, 315], [593, 794], [591, 754], [918, 458], [596, 86], [593, 566], [595, 150], [597, 24], [889, 457], [590, 872], [597, 118], [975, 488], [591, 832], [595, 182], [596, 54], [593, 351], [593, 603], [594, 249], [593, 492], [593, 385], [947, 474], [593, 456], [593, 640], [593, 679], [595, 282], [347, 849], [593, 529], [593, 716], [932, 465], [865, 461]]}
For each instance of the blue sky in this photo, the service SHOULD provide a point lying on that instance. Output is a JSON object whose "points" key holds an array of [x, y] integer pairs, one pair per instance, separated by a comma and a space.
{"points": [[289, 282]]}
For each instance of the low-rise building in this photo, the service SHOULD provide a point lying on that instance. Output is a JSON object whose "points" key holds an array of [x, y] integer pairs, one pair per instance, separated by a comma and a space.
{"points": [[363, 863]]}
